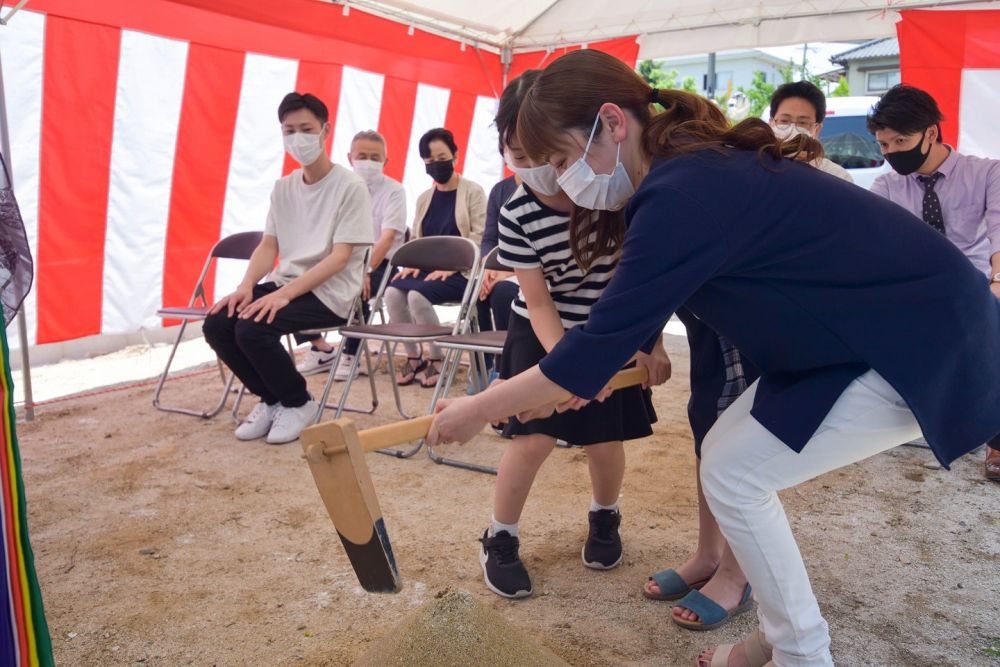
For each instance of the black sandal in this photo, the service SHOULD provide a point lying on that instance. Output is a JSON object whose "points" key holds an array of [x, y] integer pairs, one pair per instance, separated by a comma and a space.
{"points": [[431, 373], [412, 371]]}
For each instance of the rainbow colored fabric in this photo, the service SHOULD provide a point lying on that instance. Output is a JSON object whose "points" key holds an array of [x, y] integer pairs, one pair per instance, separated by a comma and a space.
{"points": [[24, 634]]}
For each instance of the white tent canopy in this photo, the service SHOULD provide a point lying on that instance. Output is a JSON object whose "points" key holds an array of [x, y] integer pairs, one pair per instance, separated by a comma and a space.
{"points": [[664, 27]]}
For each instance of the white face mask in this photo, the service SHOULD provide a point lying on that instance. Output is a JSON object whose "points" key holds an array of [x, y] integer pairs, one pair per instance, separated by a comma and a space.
{"points": [[368, 170], [597, 192], [304, 147], [789, 130], [542, 180]]}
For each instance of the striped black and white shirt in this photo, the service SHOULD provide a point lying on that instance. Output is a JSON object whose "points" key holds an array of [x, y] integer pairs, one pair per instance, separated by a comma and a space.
{"points": [[532, 235]]}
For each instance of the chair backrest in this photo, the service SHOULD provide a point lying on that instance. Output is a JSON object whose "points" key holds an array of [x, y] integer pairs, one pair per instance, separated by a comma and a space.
{"points": [[237, 246], [438, 253], [492, 261]]}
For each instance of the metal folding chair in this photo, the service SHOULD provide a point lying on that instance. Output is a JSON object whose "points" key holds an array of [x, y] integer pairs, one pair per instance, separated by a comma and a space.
{"points": [[477, 344], [435, 253], [236, 246], [355, 317]]}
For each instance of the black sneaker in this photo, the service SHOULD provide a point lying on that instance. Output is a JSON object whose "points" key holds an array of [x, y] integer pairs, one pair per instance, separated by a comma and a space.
{"points": [[603, 549], [503, 571]]}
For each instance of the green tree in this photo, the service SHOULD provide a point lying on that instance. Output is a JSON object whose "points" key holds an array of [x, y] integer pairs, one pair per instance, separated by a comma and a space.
{"points": [[759, 93], [654, 75], [842, 89]]}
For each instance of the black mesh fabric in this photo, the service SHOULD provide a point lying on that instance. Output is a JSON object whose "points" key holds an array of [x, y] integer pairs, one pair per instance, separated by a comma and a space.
{"points": [[16, 266]]}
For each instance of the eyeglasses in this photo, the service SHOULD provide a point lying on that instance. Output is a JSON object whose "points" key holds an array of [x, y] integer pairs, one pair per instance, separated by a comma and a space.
{"points": [[786, 123]]}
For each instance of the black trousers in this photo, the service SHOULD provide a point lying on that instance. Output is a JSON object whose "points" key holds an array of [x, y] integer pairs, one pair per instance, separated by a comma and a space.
{"points": [[254, 351], [352, 344], [501, 297]]}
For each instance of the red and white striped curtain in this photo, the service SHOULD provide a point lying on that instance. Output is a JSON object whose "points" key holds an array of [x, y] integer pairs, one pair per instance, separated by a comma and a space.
{"points": [[142, 132], [955, 56]]}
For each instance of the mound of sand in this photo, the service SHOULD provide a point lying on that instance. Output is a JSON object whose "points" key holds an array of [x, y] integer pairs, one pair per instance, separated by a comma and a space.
{"points": [[456, 630]]}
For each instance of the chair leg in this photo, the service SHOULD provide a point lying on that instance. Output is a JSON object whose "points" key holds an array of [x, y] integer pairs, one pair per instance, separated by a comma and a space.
{"points": [[449, 368], [478, 359], [235, 412], [204, 414], [390, 355], [401, 454], [341, 406], [456, 355], [378, 359]]}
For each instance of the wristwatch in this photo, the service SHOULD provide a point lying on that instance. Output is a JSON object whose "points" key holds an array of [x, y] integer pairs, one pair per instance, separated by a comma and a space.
{"points": [[995, 278]]}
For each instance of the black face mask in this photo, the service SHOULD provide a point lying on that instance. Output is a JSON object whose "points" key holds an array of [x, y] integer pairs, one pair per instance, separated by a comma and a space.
{"points": [[907, 162], [441, 170]]}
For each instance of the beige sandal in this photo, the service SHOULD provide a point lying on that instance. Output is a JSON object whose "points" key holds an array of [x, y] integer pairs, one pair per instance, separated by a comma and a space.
{"points": [[755, 647]]}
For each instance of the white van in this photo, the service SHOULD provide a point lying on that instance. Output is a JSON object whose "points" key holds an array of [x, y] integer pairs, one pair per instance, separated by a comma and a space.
{"points": [[848, 142]]}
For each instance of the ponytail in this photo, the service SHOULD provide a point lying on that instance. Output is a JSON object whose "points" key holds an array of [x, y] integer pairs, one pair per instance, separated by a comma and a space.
{"points": [[691, 123]]}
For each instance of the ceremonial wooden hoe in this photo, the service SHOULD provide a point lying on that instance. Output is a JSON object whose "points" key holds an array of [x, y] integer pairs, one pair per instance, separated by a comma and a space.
{"points": [[336, 452]]}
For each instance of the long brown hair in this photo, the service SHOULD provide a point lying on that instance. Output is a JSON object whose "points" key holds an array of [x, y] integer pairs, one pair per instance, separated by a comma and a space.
{"points": [[569, 93]]}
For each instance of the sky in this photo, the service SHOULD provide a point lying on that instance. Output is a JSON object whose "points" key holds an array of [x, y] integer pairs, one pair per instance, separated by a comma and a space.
{"points": [[818, 60]]}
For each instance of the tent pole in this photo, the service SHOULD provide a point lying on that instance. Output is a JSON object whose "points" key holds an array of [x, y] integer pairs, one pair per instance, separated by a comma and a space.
{"points": [[710, 78], [22, 326], [22, 334], [13, 10], [506, 59]]}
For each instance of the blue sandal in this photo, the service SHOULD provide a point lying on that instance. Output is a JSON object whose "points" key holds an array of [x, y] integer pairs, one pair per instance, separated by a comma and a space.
{"points": [[710, 614], [672, 586]]}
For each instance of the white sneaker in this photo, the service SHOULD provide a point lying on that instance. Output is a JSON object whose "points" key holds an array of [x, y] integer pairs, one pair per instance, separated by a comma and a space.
{"points": [[258, 422], [289, 422], [316, 361], [344, 367]]}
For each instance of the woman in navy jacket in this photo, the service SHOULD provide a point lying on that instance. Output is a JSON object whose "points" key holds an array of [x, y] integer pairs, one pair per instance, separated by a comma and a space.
{"points": [[867, 326]]}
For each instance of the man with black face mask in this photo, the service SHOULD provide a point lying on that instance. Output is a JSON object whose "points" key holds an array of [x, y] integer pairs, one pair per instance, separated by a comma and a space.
{"points": [[958, 195]]}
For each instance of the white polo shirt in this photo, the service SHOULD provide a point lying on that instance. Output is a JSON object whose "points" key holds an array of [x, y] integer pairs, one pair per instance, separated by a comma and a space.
{"points": [[388, 209], [309, 219]]}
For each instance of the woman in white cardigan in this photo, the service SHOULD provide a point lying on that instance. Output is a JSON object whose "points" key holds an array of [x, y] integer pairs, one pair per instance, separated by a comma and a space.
{"points": [[453, 206]]}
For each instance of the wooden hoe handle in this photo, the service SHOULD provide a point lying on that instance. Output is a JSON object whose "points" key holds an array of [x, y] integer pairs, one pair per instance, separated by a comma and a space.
{"points": [[409, 430]]}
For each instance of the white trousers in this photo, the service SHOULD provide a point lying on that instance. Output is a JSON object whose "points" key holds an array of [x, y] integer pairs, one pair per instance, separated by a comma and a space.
{"points": [[408, 307], [744, 466]]}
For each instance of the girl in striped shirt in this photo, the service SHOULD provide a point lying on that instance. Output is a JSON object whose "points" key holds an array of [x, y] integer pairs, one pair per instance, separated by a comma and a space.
{"points": [[562, 262]]}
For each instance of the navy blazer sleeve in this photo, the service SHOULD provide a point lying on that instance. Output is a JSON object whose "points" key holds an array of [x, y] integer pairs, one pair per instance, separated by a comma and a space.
{"points": [[672, 247]]}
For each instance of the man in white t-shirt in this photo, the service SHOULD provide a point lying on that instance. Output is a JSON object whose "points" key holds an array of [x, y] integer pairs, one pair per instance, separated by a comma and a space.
{"points": [[368, 158], [318, 228]]}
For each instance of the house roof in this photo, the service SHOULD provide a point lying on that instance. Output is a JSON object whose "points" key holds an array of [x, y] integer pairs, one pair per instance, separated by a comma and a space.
{"points": [[885, 47]]}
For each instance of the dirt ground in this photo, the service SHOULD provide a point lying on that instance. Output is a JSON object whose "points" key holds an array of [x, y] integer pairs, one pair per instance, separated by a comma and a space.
{"points": [[160, 539]]}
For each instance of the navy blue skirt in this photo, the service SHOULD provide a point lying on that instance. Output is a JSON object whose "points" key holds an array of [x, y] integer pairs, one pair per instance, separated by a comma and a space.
{"points": [[435, 291], [625, 415]]}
